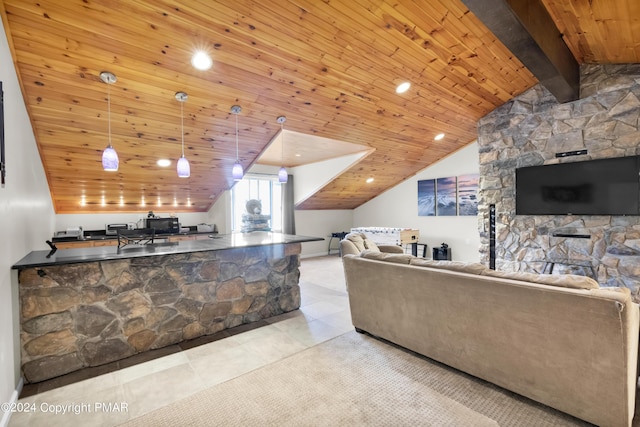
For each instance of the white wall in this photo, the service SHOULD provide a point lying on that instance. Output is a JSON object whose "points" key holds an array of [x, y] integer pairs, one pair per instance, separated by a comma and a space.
{"points": [[321, 223], [398, 207], [220, 213], [27, 214], [312, 177]]}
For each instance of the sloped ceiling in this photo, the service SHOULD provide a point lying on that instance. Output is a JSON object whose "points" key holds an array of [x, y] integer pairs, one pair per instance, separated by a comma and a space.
{"points": [[331, 67]]}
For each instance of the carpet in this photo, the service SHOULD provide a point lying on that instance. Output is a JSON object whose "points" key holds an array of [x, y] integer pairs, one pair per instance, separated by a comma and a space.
{"points": [[355, 380]]}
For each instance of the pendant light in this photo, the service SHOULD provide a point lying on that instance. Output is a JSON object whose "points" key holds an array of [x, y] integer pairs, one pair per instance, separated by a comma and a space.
{"points": [[184, 170], [237, 171], [109, 156], [282, 173]]}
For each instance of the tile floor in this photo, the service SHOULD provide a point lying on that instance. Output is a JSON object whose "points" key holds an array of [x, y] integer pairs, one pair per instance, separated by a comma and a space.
{"points": [[114, 397]]}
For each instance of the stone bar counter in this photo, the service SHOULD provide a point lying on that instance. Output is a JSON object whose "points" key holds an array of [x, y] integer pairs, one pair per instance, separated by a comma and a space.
{"points": [[90, 306]]}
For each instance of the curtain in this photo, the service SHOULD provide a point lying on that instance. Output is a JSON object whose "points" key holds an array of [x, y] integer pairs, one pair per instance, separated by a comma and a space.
{"points": [[288, 207]]}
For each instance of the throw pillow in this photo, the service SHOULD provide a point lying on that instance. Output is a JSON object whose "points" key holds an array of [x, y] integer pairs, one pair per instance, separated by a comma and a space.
{"points": [[384, 256], [572, 281], [462, 267], [357, 240], [370, 244]]}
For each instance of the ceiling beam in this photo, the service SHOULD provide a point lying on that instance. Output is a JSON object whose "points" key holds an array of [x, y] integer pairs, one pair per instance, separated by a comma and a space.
{"points": [[528, 31]]}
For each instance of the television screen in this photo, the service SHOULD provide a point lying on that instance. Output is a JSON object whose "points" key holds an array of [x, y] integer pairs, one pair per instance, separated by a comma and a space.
{"points": [[595, 187]]}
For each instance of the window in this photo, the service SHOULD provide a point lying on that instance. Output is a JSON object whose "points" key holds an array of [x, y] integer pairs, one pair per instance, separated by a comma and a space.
{"points": [[265, 188]]}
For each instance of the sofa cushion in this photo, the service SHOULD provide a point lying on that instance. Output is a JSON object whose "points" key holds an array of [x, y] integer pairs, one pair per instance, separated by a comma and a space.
{"points": [[388, 257], [361, 241], [573, 281], [463, 267], [370, 244], [357, 240]]}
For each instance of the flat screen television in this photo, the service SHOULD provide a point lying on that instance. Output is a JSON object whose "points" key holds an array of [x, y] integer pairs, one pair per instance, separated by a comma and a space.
{"points": [[594, 187]]}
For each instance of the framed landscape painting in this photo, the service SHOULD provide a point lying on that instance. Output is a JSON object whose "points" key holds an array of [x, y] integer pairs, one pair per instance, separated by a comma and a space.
{"points": [[427, 197], [468, 194], [446, 196]]}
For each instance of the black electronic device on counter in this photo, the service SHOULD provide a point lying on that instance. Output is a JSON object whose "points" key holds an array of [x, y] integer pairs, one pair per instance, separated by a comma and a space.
{"points": [[164, 225], [594, 187], [443, 253]]}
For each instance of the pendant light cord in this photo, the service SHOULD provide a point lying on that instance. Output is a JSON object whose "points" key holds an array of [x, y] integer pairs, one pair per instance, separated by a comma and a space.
{"points": [[182, 125], [109, 108], [237, 153], [282, 143]]}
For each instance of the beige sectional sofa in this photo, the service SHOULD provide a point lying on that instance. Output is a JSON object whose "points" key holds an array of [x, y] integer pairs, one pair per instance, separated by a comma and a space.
{"points": [[557, 339]]}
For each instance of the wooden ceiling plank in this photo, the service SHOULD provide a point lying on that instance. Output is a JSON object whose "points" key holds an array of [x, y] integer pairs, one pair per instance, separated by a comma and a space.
{"points": [[407, 56], [393, 76], [325, 58], [441, 40]]}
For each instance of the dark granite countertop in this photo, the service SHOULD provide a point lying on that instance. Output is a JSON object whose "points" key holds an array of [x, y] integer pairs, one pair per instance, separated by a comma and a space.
{"points": [[104, 253]]}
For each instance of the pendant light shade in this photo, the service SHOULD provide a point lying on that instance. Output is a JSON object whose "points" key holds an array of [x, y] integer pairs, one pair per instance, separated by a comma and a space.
{"points": [[183, 167], [283, 177], [237, 171], [110, 160]]}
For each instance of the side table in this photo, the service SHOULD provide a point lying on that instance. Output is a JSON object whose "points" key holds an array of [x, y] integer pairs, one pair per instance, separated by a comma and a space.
{"points": [[338, 235]]}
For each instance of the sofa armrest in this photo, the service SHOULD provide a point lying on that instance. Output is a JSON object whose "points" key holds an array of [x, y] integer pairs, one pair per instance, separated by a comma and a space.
{"points": [[391, 249]]}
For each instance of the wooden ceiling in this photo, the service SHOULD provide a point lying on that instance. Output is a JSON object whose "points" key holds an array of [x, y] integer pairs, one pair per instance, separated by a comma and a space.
{"points": [[331, 67], [599, 31]]}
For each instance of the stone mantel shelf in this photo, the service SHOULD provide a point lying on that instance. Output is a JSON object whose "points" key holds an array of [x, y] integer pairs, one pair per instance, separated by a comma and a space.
{"points": [[105, 253]]}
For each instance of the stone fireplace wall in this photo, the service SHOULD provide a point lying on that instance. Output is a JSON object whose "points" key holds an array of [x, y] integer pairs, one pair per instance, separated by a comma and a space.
{"points": [[529, 130]]}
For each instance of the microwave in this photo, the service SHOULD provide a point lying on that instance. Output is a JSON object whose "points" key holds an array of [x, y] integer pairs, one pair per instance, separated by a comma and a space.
{"points": [[112, 229], [164, 225]]}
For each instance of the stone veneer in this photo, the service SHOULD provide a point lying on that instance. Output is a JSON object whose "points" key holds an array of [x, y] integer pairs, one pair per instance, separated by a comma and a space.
{"points": [[88, 314], [530, 130]]}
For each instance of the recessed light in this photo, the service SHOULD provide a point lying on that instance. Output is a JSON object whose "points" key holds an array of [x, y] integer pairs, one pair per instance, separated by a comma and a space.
{"points": [[439, 136], [201, 60], [163, 163], [370, 180], [403, 87]]}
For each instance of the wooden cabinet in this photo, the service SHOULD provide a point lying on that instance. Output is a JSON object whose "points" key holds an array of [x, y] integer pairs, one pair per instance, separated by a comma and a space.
{"points": [[110, 242], [178, 238], [86, 243], [188, 237], [71, 245]]}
